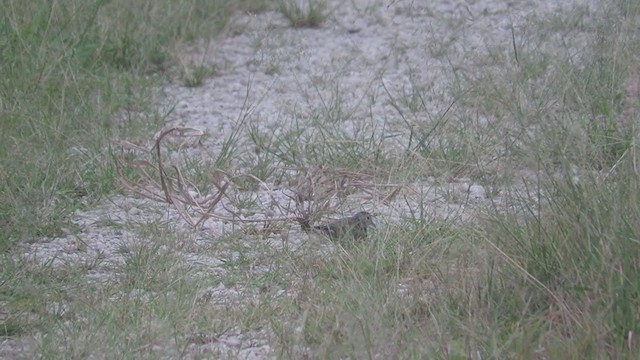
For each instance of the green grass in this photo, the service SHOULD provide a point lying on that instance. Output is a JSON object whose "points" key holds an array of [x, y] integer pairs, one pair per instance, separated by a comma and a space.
{"points": [[547, 267], [304, 13], [77, 76], [572, 250]]}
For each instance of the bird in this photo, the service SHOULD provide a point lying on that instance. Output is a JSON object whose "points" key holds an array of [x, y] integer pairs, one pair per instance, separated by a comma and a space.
{"points": [[354, 227]]}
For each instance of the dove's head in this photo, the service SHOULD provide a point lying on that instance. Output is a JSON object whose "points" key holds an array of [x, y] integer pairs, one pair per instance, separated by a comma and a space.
{"points": [[364, 219]]}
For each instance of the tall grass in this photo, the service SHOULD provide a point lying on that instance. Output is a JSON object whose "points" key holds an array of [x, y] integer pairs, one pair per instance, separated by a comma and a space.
{"points": [[77, 74], [568, 280]]}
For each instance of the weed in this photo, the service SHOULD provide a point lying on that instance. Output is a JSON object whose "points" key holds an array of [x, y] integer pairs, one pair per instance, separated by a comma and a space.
{"points": [[194, 77], [304, 13]]}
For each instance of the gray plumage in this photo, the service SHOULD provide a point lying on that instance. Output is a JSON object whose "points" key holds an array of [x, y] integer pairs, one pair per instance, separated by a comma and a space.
{"points": [[353, 227]]}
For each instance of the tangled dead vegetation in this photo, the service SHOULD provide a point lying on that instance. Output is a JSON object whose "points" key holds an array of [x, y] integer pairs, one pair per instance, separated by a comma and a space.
{"points": [[309, 198]]}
